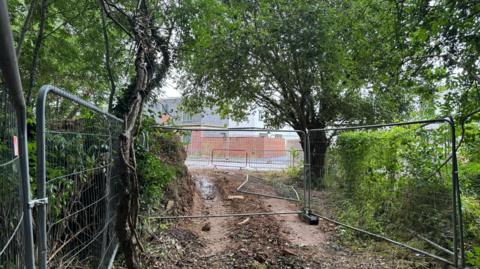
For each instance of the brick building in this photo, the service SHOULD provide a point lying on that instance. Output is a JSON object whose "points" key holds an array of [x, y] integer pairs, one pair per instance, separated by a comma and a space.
{"points": [[225, 144]]}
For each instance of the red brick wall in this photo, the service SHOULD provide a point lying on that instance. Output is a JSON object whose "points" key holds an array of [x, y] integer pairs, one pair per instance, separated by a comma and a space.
{"points": [[293, 143], [259, 147]]}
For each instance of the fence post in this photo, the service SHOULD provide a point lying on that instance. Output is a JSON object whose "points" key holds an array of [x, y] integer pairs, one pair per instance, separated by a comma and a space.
{"points": [[107, 200], [9, 66], [306, 168], [457, 204], [41, 177]]}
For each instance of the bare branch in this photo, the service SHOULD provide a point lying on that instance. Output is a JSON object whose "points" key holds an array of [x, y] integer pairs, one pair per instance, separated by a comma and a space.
{"points": [[25, 26], [118, 23]]}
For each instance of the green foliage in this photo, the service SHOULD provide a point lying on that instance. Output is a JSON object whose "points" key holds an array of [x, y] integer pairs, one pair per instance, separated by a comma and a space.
{"points": [[72, 53], [469, 168], [303, 62], [153, 175], [473, 257], [159, 159], [295, 172], [471, 212], [295, 169], [388, 179]]}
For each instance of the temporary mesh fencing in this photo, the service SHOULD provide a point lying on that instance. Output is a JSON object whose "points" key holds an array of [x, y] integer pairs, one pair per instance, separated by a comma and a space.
{"points": [[11, 216], [77, 155], [396, 181]]}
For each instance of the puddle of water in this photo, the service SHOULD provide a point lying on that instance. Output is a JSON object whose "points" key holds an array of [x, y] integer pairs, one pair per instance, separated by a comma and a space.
{"points": [[205, 187]]}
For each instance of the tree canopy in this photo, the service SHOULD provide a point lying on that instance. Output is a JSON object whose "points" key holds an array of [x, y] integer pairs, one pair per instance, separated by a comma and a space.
{"points": [[310, 64]]}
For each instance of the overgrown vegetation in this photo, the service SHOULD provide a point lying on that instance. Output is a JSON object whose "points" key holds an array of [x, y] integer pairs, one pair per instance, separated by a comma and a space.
{"points": [[394, 182], [306, 64], [469, 168], [161, 171]]}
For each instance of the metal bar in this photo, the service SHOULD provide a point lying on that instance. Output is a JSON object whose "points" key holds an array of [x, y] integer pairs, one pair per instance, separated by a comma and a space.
{"points": [[78, 172], [44, 90], [75, 133], [296, 193], [81, 210], [374, 126], [41, 182], [80, 248], [269, 196], [454, 202], [224, 215], [227, 129], [307, 171], [107, 194], [387, 239], [112, 259], [9, 67], [435, 245], [457, 216]]}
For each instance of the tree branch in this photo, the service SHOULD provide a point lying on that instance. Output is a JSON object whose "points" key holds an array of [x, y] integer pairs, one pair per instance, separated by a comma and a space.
{"points": [[25, 26], [118, 23], [107, 58], [37, 49]]}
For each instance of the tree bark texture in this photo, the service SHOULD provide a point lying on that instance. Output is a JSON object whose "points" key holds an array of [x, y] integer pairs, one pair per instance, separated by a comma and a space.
{"points": [[318, 149], [128, 208], [150, 70]]}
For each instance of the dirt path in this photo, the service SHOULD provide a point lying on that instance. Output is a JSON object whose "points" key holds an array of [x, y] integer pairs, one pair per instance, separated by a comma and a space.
{"points": [[207, 201], [280, 241]]}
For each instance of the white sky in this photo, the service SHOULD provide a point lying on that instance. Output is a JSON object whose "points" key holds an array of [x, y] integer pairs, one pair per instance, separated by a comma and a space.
{"points": [[170, 88]]}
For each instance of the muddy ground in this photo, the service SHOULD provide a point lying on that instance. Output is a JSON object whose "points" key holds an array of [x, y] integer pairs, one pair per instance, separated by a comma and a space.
{"points": [[277, 241]]}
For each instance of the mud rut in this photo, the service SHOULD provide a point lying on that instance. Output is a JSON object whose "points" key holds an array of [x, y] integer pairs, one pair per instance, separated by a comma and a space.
{"points": [[251, 242]]}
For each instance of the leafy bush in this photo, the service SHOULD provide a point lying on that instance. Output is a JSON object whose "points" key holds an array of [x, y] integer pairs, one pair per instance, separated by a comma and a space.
{"points": [[295, 173], [390, 182], [160, 158], [154, 175], [472, 257]]}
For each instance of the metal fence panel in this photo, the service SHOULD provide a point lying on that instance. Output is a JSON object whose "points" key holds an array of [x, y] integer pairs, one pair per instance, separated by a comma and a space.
{"points": [[253, 151], [11, 216], [396, 182], [16, 236], [76, 151]]}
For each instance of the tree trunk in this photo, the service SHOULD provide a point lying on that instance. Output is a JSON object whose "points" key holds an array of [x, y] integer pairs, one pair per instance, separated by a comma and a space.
{"points": [[318, 149], [149, 73], [150, 70], [128, 207], [127, 211]]}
